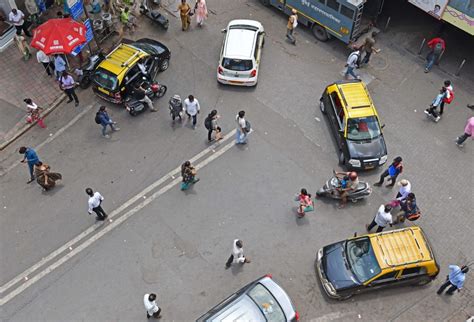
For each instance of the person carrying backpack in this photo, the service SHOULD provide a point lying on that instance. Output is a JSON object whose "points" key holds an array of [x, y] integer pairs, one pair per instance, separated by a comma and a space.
{"points": [[437, 46], [352, 63], [449, 96], [103, 118], [210, 123]]}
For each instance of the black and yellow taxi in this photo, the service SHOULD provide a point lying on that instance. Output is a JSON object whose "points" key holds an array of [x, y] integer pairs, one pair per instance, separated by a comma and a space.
{"points": [[355, 124], [124, 65], [374, 261]]}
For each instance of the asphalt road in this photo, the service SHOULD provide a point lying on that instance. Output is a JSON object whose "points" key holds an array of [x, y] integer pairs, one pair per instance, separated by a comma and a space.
{"points": [[176, 243]]}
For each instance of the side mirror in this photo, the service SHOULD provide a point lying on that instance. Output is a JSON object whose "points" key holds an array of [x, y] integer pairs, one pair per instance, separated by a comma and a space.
{"points": [[383, 125], [224, 30]]}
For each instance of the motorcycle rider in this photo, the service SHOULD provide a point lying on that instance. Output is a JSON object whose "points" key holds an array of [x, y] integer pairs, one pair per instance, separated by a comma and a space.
{"points": [[350, 186], [139, 93]]}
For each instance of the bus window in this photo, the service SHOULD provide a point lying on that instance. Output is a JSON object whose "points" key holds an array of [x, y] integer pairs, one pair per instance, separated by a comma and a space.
{"points": [[323, 2], [349, 13], [333, 4]]}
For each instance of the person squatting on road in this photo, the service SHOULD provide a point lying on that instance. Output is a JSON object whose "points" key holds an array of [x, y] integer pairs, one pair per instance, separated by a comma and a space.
{"points": [[455, 279], [352, 63], [210, 123], [31, 158], [103, 118], [188, 173], [382, 219], [291, 26], [305, 202], [393, 171], [45, 178], [437, 46], [432, 110], [350, 186], [467, 132], [409, 209], [67, 83], [402, 194], [152, 309], [193, 108], [237, 255], [94, 203], [139, 93], [34, 113]]}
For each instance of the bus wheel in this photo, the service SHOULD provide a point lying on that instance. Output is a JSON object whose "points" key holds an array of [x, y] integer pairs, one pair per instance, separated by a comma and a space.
{"points": [[320, 32]]}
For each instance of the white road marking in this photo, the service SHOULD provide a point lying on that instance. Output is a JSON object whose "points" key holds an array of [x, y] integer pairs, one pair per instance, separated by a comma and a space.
{"points": [[74, 251], [53, 136]]}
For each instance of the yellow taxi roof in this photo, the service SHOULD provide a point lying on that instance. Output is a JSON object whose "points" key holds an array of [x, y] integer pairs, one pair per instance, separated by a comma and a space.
{"points": [[122, 58], [400, 247], [357, 99]]}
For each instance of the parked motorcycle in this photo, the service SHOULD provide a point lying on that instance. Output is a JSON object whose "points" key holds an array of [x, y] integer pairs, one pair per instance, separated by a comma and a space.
{"points": [[154, 15], [332, 186], [84, 74], [152, 90]]}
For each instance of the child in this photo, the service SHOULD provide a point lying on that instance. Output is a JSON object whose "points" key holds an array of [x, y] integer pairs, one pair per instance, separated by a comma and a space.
{"points": [[435, 104], [218, 133]]}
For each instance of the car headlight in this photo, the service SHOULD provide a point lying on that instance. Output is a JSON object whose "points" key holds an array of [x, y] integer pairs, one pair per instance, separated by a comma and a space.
{"points": [[320, 254], [383, 159], [330, 289], [354, 163]]}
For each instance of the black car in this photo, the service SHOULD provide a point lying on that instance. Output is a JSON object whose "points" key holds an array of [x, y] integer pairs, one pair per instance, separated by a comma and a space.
{"points": [[355, 125]]}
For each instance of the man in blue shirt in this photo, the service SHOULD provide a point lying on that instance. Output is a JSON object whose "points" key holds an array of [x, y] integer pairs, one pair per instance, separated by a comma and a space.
{"points": [[31, 158], [59, 65], [103, 118], [455, 279]]}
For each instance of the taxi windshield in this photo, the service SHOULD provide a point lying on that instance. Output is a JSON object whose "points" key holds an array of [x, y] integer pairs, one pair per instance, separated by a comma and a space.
{"points": [[363, 128], [105, 79], [361, 259]]}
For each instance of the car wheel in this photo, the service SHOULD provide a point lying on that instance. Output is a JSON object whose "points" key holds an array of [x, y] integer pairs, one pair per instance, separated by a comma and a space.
{"points": [[164, 65], [423, 281], [342, 159], [319, 32], [133, 113], [322, 107]]}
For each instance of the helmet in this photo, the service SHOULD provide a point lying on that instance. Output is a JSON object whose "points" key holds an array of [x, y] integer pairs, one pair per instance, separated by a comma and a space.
{"points": [[353, 175]]}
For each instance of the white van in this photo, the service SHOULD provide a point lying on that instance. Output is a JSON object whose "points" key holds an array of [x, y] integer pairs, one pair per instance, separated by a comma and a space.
{"points": [[240, 54]]}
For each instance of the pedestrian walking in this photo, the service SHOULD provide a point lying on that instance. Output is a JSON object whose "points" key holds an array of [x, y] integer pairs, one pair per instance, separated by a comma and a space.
{"points": [[185, 15], [59, 66], [176, 107], [34, 113], [139, 93], [393, 171], [45, 60], [382, 219], [468, 130], [31, 158], [95, 202], [67, 83], [152, 309], [210, 123], [200, 9], [437, 46], [103, 118], [193, 108], [188, 173], [455, 279], [352, 63], [291, 26], [237, 255], [369, 48], [44, 177], [17, 18], [432, 110], [449, 96], [243, 128]]}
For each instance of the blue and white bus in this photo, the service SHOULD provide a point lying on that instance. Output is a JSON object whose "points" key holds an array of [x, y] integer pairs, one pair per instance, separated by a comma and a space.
{"points": [[331, 18]]}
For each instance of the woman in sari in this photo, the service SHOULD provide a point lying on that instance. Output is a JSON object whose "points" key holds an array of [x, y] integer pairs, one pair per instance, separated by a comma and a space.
{"points": [[47, 180], [201, 12], [188, 173]]}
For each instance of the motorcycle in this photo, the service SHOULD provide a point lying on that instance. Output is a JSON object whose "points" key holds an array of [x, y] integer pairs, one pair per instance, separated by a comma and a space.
{"points": [[84, 74], [152, 90], [332, 187], [176, 107], [154, 15]]}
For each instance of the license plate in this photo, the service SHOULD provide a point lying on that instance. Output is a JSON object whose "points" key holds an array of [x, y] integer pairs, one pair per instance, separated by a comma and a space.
{"points": [[236, 82], [369, 166]]}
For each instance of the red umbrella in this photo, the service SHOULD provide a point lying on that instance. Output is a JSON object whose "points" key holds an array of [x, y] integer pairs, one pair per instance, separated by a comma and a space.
{"points": [[59, 36]]}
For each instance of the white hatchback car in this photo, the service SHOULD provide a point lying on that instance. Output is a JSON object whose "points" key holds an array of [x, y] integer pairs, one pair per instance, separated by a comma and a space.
{"points": [[240, 54]]}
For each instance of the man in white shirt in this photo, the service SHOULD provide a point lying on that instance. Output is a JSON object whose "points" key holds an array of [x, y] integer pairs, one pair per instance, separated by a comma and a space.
{"points": [[44, 59], [405, 189], [382, 218], [95, 200], [352, 63], [192, 107], [17, 18], [237, 255], [152, 309]]}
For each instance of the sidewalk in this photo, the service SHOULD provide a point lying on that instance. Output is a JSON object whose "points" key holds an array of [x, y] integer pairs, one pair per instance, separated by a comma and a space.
{"points": [[21, 79]]}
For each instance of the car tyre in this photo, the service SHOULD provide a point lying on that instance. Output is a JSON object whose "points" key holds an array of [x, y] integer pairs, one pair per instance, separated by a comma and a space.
{"points": [[319, 32], [322, 107], [422, 281], [164, 65]]}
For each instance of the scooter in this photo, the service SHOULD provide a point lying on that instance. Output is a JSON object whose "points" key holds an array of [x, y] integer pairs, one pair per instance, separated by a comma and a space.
{"points": [[153, 90], [154, 15], [85, 73], [332, 186]]}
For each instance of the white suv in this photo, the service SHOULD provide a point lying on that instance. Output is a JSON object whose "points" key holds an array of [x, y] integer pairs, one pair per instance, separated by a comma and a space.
{"points": [[240, 53]]}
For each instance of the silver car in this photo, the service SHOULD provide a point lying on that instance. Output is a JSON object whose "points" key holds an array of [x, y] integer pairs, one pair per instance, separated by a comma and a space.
{"points": [[261, 300]]}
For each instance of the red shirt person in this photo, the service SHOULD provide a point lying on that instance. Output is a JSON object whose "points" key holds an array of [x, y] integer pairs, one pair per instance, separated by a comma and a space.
{"points": [[437, 46]]}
